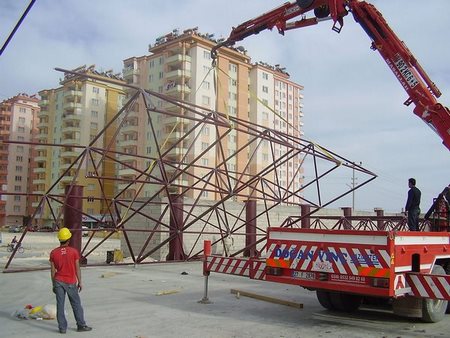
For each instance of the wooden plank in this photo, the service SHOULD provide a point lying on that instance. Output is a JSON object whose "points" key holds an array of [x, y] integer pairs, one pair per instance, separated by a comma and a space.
{"points": [[266, 298]]}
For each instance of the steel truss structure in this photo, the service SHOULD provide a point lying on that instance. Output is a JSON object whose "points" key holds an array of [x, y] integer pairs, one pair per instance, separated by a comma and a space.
{"points": [[172, 172]]}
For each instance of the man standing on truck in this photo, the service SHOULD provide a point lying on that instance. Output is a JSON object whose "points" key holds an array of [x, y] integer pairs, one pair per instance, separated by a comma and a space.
{"points": [[412, 208]]}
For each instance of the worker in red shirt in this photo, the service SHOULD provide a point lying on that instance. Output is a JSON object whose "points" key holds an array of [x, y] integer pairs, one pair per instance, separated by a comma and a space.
{"points": [[66, 278]]}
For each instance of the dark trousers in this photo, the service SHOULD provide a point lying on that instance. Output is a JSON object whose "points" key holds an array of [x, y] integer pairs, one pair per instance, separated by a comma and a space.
{"points": [[60, 289], [413, 219]]}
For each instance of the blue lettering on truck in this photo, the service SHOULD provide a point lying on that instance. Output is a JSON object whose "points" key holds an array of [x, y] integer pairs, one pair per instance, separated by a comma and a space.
{"points": [[329, 256]]}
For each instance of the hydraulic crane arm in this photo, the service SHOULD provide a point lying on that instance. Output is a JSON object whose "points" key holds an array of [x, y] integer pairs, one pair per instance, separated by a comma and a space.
{"points": [[421, 90]]}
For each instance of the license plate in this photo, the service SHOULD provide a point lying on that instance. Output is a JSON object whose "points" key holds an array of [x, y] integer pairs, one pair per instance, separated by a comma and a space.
{"points": [[303, 275]]}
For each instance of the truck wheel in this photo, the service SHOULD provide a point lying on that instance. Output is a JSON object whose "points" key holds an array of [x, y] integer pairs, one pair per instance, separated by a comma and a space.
{"points": [[345, 302], [433, 310], [324, 299]]}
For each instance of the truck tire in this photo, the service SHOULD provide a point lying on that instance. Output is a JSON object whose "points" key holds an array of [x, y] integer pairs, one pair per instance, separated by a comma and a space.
{"points": [[433, 310], [345, 301], [324, 299]]}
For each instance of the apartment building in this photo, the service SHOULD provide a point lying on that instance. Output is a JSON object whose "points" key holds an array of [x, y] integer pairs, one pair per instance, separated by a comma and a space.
{"points": [[70, 118], [179, 66], [17, 124]]}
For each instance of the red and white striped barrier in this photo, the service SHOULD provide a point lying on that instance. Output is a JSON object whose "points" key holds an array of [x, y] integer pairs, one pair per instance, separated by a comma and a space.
{"points": [[429, 286], [254, 269]]}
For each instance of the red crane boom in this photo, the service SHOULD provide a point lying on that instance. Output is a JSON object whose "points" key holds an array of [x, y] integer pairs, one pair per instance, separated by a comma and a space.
{"points": [[421, 90]]}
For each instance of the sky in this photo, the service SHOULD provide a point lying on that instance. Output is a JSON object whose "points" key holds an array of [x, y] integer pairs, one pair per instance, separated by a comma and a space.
{"points": [[353, 104]]}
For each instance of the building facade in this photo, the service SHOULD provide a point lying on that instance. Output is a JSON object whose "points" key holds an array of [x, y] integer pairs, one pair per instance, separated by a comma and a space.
{"points": [[17, 125], [179, 66], [70, 118]]}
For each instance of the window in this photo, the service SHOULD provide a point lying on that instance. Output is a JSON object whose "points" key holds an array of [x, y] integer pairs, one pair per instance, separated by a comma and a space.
{"points": [[19, 168], [206, 69], [95, 90], [205, 100], [204, 194], [17, 198], [161, 60], [94, 102], [150, 78], [205, 130], [265, 89], [20, 149], [94, 125], [20, 138], [18, 178], [94, 113], [21, 120], [21, 129], [206, 55], [161, 75], [17, 208], [91, 187], [205, 145], [206, 85], [232, 68], [205, 161], [17, 188], [22, 110], [152, 64], [265, 76], [265, 157]]}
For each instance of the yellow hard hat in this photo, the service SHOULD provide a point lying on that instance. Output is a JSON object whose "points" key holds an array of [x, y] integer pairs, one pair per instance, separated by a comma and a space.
{"points": [[64, 234]]}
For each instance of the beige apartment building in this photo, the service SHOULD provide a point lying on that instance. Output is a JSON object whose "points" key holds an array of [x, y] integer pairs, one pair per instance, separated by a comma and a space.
{"points": [[179, 66], [71, 116], [17, 124]]}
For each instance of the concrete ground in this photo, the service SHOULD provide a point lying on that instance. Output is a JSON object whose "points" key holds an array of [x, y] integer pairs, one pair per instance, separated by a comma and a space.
{"points": [[161, 300]]}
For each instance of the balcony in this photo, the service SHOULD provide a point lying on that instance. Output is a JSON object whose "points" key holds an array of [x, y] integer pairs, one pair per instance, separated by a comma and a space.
{"points": [[64, 166], [72, 117], [39, 181], [39, 170], [42, 137], [130, 72], [71, 106], [177, 90], [176, 153], [70, 154], [39, 190], [177, 74], [43, 112], [43, 103], [40, 158], [43, 123], [70, 129], [70, 141], [129, 128], [127, 143], [177, 58], [173, 137], [172, 120], [70, 95], [67, 179], [127, 172]]}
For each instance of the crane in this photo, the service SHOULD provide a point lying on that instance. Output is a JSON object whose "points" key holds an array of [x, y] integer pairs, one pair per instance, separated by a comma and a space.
{"points": [[422, 92]]}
